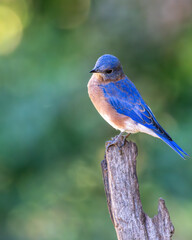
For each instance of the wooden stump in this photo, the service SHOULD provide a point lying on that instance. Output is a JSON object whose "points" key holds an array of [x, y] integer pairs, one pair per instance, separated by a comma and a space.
{"points": [[123, 197]]}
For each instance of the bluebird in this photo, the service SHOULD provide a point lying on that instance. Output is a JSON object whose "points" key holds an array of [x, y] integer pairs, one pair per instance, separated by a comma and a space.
{"points": [[119, 102]]}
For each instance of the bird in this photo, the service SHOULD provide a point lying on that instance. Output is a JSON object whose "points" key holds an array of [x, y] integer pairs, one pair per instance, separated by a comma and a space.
{"points": [[119, 102]]}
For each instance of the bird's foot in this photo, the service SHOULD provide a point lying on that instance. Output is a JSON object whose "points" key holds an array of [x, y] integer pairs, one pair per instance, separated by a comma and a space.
{"points": [[115, 140], [124, 139]]}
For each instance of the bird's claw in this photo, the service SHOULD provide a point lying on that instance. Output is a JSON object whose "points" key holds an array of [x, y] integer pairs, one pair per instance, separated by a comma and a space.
{"points": [[124, 139], [115, 140]]}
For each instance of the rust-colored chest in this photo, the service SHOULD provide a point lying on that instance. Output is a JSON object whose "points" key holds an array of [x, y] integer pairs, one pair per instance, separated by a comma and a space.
{"points": [[116, 120]]}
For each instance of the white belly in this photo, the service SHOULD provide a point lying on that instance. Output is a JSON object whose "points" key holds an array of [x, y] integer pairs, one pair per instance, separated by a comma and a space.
{"points": [[131, 126]]}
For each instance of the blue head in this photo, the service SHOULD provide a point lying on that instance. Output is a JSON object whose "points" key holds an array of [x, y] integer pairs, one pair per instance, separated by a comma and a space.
{"points": [[109, 67]]}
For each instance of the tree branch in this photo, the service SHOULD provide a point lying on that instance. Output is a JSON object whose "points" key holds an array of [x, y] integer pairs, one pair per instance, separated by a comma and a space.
{"points": [[123, 197]]}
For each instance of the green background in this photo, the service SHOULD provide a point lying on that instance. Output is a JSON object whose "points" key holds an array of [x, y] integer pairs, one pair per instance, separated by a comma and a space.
{"points": [[51, 137]]}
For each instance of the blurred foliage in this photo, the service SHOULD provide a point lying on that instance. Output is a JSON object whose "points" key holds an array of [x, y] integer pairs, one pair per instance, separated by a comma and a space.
{"points": [[52, 138]]}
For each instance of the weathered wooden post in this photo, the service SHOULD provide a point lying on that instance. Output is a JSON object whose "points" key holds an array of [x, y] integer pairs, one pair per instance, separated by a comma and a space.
{"points": [[123, 198]]}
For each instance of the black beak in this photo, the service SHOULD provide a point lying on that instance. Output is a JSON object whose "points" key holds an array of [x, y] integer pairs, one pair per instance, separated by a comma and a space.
{"points": [[93, 70]]}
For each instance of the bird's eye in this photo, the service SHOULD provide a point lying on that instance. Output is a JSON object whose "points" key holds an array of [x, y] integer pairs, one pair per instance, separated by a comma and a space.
{"points": [[109, 71]]}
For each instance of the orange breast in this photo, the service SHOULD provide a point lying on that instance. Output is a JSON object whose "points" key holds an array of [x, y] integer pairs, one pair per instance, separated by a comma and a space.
{"points": [[116, 120]]}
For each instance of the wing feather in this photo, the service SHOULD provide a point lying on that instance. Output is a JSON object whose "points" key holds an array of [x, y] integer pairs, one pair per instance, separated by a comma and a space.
{"points": [[126, 99]]}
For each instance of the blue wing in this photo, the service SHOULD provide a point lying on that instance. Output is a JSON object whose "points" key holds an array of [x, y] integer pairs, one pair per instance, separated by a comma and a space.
{"points": [[126, 100]]}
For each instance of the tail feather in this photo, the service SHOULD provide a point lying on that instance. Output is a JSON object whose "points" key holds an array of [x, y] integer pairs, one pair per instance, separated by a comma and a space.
{"points": [[180, 149], [175, 147]]}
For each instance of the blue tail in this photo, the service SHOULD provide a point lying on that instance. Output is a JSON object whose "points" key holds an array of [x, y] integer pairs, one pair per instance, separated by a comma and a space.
{"points": [[175, 147]]}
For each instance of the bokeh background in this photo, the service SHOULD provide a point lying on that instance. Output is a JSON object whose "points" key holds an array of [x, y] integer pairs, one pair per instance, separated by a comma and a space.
{"points": [[51, 137]]}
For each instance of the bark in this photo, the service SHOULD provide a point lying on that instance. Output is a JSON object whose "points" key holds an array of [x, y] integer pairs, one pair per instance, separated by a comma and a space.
{"points": [[123, 197]]}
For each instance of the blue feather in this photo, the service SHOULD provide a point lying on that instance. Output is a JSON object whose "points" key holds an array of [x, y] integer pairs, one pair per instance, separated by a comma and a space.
{"points": [[175, 147], [126, 99]]}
